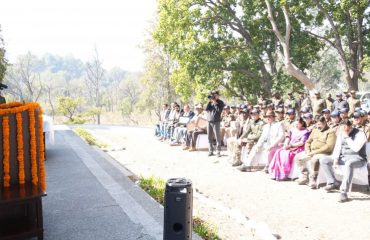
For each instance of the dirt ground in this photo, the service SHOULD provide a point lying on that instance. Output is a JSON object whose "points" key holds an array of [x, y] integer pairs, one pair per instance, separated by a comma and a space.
{"points": [[242, 205]]}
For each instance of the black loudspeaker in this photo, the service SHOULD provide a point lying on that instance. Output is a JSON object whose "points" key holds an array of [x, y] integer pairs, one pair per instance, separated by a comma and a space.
{"points": [[178, 210]]}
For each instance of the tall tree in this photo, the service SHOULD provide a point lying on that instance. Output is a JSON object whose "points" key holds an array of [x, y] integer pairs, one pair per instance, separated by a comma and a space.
{"points": [[227, 43], [3, 61], [94, 79], [155, 81], [344, 25], [24, 79]]}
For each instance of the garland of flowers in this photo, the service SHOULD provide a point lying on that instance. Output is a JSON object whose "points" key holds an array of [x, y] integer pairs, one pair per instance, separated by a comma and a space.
{"points": [[10, 105], [6, 149], [42, 153], [17, 108], [33, 146], [20, 156]]}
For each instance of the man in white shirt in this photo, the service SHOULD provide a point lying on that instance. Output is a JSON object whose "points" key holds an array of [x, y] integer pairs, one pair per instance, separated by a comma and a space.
{"points": [[267, 144], [350, 151]]}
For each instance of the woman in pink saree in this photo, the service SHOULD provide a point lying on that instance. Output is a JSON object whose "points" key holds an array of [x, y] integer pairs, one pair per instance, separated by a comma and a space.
{"points": [[282, 162]]}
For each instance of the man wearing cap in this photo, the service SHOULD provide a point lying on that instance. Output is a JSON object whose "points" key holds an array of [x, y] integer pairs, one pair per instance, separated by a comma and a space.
{"points": [[277, 100], [227, 117], [353, 102], [326, 115], [214, 109], [335, 121], [196, 126], [310, 122], [339, 103], [289, 122], [305, 102], [320, 142], [272, 134], [232, 142], [350, 151], [329, 101], [318, 105], [249, 137], [280, 114], [291, 102], [346, 95], [344, 113], [304, 111], [359, 123]]}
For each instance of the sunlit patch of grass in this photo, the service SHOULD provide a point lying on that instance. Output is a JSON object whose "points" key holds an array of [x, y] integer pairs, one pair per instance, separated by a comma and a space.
{"points": [[83, 133], [155, 187]]}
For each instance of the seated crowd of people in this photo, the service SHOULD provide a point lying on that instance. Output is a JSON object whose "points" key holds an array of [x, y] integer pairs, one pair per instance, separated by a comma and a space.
{"points": [[276, 134]]}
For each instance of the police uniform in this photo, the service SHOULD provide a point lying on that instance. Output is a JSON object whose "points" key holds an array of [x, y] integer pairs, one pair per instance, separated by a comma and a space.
{"points": [[318, 105], [353, 103], [249, 138]]}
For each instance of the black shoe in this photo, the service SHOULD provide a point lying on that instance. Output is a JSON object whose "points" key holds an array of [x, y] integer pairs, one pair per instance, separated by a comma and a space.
{"points": [[332, 187], [210, 154], [343, 197], [218, 154], [244, 168]]}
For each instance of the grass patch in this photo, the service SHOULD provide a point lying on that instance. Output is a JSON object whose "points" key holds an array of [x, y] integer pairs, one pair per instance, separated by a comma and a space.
{"points": [[83, 133], [155, 187]]}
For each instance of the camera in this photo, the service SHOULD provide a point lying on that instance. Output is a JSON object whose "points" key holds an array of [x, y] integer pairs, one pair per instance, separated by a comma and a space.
{"points": [[212, 95], [2, 86]]}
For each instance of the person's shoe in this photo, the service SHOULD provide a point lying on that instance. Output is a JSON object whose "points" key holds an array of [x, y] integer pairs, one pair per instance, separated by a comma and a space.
{"points": [[312, 182], [236, 163], [218, 154], [244, 168], [210, 154], [191, 149], [302, 180], [343, 197], [185, 148], [332, 187], [266, 169], [174, 144]]}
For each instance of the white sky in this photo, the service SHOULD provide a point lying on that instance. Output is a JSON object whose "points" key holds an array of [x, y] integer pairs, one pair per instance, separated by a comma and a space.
{"points": [[74, 27]]}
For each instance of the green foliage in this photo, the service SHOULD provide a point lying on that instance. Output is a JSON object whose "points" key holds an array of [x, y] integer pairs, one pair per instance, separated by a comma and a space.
{"points": [[68, 107], [228, 45], [155, 187], [3, 61], [83, 133], [204, 230]]}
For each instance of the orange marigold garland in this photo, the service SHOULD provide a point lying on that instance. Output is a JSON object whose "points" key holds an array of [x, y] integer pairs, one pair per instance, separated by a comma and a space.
{"points": [[42, 152], [33, 146], [6, 149], [20, 155]]}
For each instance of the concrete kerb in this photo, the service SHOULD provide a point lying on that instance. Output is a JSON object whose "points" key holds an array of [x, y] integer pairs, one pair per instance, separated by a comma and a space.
{"points": [[131, 201]]}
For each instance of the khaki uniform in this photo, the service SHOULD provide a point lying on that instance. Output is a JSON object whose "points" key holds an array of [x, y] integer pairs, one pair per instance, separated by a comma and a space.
{"points": [[248, 138], [317, 106], [334, 127], [353, 103], [288, 124], [319, 143], [232, 142], [329, 103], [293, 104]]}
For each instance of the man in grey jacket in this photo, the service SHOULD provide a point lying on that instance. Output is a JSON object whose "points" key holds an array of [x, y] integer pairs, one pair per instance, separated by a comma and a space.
{"points": [[350, 151]]}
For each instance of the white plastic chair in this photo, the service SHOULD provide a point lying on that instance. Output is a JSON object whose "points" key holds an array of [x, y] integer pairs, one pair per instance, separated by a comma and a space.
{"points": [[202, 142]]}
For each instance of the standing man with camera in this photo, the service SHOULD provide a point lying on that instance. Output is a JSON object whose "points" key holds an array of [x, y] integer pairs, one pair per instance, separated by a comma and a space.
{"points": [[214, 109]]}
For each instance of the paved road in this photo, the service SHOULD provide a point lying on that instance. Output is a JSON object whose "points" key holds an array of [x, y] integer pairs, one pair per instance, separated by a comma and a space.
{"points": [[89, 196], [242, 205]]}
